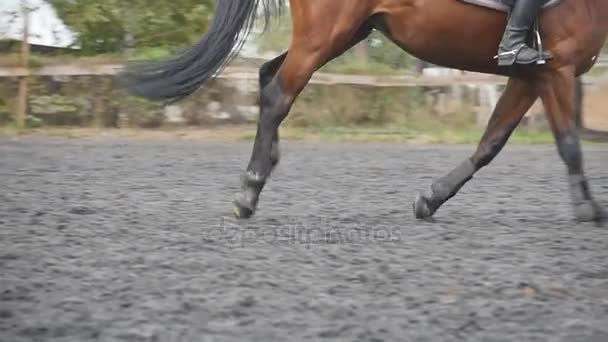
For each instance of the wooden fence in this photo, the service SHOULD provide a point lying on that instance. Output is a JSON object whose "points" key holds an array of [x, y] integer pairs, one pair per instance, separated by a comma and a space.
{"points": [[240, 73], [488, 86], [248, 73]]}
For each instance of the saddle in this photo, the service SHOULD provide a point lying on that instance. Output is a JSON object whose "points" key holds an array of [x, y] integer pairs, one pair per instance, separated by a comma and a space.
{"points": [[506, 5]]}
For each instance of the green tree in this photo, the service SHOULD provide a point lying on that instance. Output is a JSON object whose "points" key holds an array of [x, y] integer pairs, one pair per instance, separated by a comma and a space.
{"points": [[110, 25]]}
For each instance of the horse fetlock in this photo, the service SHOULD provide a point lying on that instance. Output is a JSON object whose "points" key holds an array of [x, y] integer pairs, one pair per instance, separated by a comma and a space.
{"points": [[446, 187], [579, 188], [425, 205], [441, 191], [245, 203], [241, 212], [253, 180], [589, 211], [421, 207]]}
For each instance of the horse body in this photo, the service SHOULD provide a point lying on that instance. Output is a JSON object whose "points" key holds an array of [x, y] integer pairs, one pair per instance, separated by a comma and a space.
{"points": [[445, 32]]}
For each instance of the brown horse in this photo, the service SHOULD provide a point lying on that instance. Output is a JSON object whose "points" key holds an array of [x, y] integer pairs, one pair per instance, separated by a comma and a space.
{"points": [[444, 32]]}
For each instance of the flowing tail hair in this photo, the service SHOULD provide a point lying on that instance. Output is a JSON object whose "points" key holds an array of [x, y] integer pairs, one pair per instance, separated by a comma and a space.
{"points": [[176, 78]]}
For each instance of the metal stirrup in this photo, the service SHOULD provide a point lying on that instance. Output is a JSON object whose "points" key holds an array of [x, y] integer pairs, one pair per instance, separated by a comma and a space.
{"points": [[539, 44]]}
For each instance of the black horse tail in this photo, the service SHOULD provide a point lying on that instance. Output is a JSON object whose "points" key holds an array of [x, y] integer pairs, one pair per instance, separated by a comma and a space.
{"points": [[176, 78]]}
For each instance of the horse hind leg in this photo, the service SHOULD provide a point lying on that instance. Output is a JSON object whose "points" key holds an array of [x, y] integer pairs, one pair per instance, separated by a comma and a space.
{"points": [[557, 90], [517, 98], [281, 82], [267, 72]]}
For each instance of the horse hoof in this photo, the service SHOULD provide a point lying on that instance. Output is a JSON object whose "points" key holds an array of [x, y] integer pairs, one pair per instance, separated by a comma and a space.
{"points": [[421, 207], [240, 208], [590, 211], [242, 213]]}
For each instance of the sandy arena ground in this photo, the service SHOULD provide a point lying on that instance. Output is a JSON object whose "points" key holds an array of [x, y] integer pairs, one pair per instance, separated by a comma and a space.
{"points": [[132, 240]]}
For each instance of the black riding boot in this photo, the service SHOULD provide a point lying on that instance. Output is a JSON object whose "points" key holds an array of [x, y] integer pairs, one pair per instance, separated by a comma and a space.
{"points": [[513, 48]]}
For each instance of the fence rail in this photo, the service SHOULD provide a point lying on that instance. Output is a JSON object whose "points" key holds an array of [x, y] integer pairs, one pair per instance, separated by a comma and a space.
{"points": [[240, 73], [248, 74]]}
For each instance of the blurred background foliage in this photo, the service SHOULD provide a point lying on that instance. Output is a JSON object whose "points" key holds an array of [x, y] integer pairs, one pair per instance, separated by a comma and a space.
{"points": [[110, 26]]}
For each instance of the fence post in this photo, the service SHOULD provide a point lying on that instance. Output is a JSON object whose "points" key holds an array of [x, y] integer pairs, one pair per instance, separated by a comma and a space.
{"points": [[24, 62]]}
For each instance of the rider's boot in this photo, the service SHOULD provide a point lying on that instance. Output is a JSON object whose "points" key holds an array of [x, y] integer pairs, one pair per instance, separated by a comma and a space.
{"points": [[513, 48]]}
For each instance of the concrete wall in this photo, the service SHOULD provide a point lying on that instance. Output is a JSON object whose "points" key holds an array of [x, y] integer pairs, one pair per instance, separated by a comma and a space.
{"points": [[98, 101]]}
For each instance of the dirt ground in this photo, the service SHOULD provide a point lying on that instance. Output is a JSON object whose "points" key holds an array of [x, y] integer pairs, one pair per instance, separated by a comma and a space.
{"points": [[132, 240]]}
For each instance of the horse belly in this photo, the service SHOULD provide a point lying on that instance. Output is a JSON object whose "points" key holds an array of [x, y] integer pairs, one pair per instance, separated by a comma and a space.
{"points": [[445, 32]]}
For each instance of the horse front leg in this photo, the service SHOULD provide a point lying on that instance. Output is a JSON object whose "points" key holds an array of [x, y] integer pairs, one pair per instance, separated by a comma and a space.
{"points": [[557, 90], [309, 51], [516, 100], [275, 104]]}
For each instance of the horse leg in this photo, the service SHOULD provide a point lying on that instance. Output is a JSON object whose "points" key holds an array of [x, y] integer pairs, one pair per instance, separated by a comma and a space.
{"points": [[517, 98], [557, 90], [268, 71], [276, 98]]}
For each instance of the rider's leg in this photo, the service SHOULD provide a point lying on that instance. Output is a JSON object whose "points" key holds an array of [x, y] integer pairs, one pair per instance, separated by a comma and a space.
{"points": [[513, 48]]}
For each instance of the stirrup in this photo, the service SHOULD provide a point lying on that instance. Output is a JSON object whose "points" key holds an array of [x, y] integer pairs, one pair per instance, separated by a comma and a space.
{"points": [[539, 44]]}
